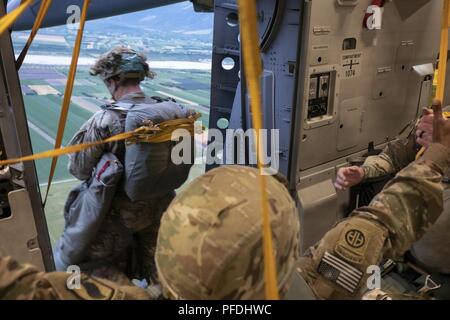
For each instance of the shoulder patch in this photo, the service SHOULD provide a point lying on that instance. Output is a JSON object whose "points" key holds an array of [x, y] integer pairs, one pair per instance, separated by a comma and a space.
{"points": [[352, 243], [90, 288], [93, 289]]}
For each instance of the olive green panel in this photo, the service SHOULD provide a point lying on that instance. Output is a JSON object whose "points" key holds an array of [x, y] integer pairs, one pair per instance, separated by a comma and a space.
{"points": [[18, 235], [317, 198]]}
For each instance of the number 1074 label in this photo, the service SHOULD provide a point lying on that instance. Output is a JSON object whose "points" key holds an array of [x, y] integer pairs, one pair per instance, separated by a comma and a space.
{"points": [[351, 65]]}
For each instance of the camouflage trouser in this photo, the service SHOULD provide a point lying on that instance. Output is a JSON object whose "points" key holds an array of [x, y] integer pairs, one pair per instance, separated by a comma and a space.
{"points": [[107, 255], [126, 243], [144, 219]]}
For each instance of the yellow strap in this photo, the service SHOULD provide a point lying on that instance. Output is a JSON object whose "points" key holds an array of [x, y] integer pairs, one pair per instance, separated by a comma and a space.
{"points": [[165, 130], [147, 134], [8, 20], [443, 54], [253, 72], [68, 94], [45, 5]]}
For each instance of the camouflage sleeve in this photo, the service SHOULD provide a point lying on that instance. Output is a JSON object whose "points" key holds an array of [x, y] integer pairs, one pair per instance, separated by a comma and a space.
{"points": [[397, 155], [337, 267], [411, 202], [22, 282], [25, 282], [82, 163]]}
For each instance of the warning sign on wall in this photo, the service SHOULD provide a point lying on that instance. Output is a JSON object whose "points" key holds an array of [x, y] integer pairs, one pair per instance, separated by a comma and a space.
{"points": [[351, 65]]}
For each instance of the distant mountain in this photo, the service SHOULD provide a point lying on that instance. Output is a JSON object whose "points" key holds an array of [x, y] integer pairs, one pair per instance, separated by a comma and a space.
{"points": [[178, 18]]}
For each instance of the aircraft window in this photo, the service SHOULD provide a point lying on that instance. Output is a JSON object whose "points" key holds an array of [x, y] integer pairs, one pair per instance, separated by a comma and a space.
{"points": [[232, 19], [223, 123], [349, 44], [228, 63]]}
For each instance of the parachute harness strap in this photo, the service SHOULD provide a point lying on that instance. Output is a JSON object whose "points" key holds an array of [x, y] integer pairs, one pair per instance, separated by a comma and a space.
{"points": [[68, 94], [253, 71], [164, 131]]}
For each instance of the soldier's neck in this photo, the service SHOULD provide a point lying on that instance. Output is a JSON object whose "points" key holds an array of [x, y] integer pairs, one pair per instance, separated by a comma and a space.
{"points": [[124, 91]]}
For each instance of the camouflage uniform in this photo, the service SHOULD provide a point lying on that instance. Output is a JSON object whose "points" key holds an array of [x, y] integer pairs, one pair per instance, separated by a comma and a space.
{"points": [[396, 156], [397, 217], [133, 223], [25, 282], [432, 251]]}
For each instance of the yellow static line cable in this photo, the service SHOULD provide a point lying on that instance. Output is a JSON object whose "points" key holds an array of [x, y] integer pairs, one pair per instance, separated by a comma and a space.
{"points": [[443, 54], [45, 5], [8, 20], [153, 134], [68, 94], [253, 71]]}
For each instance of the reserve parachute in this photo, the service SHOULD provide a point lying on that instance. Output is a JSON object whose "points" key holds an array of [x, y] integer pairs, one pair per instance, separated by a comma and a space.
{"points": [[85, 210]]}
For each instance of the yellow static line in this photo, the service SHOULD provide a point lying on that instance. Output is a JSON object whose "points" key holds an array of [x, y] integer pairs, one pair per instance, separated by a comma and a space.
{"points": [[149, 134], [253, 72], [68, 94], [8, 20], [45, 5]]}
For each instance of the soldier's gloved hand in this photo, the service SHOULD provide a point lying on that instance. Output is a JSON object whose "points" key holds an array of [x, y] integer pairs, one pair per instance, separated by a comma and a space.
{"points": [[348, 177], [438, 153], [424, 132], [441, 126]]}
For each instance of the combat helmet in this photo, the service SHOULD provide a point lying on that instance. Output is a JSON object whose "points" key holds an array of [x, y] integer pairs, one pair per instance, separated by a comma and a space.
{"points": [[210, 239], [123, 62]]}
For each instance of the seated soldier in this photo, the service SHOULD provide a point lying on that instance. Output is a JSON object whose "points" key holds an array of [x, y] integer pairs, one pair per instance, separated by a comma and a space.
{"points": [[430, 255]]}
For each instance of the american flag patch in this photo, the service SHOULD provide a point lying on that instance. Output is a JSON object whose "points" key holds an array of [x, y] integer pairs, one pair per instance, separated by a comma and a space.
{"points": [[340, 272]]}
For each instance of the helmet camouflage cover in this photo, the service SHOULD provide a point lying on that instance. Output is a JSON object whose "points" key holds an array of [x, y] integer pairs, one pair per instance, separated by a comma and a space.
{"points": [[123, 62], [210, 239]]}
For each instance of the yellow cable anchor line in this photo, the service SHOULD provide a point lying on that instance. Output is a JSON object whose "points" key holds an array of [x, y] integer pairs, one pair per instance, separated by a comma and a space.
{"points": [[253, 71], [158, 133], [443, 52], [68, 94], [43, 9], [8, 19], [443, 55]]}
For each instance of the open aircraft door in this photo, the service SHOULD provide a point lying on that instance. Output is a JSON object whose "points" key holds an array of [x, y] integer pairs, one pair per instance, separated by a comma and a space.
{"points": [[23, 228]]}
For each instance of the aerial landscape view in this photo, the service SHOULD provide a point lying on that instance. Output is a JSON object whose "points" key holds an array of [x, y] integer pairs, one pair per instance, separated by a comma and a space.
{"points": [[180, 57]]}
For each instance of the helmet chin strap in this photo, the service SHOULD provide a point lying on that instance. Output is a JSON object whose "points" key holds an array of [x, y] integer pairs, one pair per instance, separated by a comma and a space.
{"points": [[112, 87]]}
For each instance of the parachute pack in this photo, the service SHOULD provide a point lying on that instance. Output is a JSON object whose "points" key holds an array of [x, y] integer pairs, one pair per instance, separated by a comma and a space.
{"points": [[149, 170]]}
